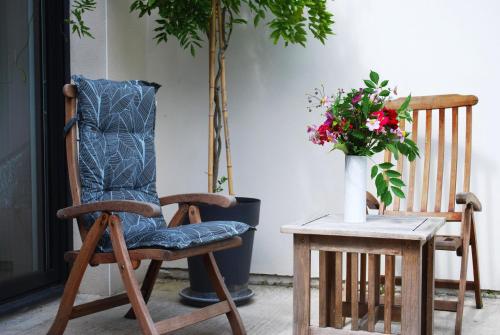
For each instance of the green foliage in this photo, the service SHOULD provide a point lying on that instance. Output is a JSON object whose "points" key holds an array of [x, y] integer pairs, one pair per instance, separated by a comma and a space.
{"points": [[76, 20], [388, 182], [188, 20], [220, 184]]}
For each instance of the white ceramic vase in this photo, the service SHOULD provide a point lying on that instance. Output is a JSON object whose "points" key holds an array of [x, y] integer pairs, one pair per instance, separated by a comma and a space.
{"points": [[355, 189]]}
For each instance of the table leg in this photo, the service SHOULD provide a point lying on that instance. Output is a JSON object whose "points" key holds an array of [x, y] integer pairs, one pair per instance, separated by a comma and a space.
{"points": [[411, 288], [338, 320], [301, 285], [428, 287], [326, 288]]}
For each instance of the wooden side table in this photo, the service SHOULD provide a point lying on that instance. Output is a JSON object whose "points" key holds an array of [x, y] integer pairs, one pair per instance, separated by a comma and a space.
{"points": [[411, 238]]}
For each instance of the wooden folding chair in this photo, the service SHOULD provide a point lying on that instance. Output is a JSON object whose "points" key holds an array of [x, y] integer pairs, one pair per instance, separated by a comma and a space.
{"points": [[109, 222], [442, 104]]}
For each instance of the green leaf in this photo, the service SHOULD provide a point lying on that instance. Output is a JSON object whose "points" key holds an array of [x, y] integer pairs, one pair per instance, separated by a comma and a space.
{"points": [[405, 104], [370, 84], [380, 184], [386, 198], [397, 192], [397, 182], [384, 83], [392, 174], [342, 147], [386, 165], [392, 148], [374, 77], [374, 171]]}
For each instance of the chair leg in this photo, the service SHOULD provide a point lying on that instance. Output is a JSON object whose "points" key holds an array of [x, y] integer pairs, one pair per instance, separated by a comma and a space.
{"points": [[130, 282], [223, 294], [147, 284], [466, 231], [76, 275], [475, 266]]}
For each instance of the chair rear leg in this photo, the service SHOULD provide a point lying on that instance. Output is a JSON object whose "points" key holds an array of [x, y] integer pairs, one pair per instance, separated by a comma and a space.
{"points": [[223, 293], [475, 267], [76, 275], [147, 284], [130, 282]]}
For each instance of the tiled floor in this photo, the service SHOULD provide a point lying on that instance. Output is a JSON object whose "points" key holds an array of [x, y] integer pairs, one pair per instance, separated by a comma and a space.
{"points": [[270, 313]]}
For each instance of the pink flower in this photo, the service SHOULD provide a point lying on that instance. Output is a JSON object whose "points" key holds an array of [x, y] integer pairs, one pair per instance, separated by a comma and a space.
{"points": [[373, 124], [401, 134], [356, 99]]}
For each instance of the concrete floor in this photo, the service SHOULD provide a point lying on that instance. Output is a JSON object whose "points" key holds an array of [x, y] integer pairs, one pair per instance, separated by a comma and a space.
{"points": [[270, 313]]}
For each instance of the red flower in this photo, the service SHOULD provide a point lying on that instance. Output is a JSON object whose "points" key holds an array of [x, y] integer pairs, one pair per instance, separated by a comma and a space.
{"points": [[382, 119], [393, 122], [387, 117], [323, 133]]}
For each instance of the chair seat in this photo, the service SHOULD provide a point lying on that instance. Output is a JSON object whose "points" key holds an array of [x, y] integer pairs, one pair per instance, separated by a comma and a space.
{"points": [[186, 236], [158, 254], [448, 242]]}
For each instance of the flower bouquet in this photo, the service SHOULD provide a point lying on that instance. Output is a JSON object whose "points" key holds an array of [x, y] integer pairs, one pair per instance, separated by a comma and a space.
{"points": [[358, 124]]}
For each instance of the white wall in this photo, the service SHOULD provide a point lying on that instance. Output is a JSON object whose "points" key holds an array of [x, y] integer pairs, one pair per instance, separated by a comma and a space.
{"points": [[426, 47]]}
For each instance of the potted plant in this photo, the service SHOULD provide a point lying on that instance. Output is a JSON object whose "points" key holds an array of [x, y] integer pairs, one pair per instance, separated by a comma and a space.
{"points": [[358, 124], [192, 22]]}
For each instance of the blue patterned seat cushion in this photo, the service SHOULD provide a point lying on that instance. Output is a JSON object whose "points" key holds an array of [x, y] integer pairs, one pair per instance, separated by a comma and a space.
{"points": [[117, 161]]}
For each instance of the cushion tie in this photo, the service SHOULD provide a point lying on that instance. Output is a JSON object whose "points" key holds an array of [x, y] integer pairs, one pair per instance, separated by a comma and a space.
{"points": [[69, 125]]}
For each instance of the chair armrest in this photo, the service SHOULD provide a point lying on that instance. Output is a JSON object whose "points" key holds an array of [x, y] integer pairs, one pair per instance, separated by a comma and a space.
{"points": [[467, 198], [138, 207], [203, 198], [371, 201]]}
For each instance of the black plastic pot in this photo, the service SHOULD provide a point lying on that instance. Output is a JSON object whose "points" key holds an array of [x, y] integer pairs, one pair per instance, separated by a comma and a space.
{"points": [[234, 264]]}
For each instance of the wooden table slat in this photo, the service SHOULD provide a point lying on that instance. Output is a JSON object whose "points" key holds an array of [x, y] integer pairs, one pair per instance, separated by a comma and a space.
{"points": [[376, 226]]}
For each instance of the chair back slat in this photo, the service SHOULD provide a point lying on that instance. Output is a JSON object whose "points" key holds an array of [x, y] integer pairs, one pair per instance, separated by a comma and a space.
{"points": [[412, 173], [70, 94], [454, 159], [440, 162], [468, 148], [420, 173], [399, 168], [427, 160]]}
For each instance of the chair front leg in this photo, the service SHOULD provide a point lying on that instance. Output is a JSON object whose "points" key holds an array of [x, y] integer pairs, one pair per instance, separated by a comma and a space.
{"points": [[130, 282], [466, 231], [147, 284], [475, 264], [223, 294], [75, 277]]}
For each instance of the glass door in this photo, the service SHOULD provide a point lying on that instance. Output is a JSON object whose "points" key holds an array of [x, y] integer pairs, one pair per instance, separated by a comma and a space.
{"points": [[26, 244]]}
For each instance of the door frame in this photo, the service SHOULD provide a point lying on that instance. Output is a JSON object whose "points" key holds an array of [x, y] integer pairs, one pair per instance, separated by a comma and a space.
{"points": [[53, 36]]}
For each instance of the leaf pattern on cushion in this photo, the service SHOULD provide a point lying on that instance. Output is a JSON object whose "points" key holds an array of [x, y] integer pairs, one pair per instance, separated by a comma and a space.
{"points": [[117, 161]]}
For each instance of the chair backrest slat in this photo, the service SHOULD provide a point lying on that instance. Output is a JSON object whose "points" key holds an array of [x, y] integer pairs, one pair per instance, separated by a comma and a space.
{"points": [[399, 168], [468, 148], [412, 173], [441, 104], [440, 163], [427, 160], [454, 159]]}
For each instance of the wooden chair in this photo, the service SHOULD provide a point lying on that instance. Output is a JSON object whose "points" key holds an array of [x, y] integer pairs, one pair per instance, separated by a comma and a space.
{"points": [[427, 106], [129, 260]]}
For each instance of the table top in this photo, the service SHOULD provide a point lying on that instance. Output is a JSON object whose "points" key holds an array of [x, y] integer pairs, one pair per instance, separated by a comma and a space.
{"points": [[376, 226]]}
